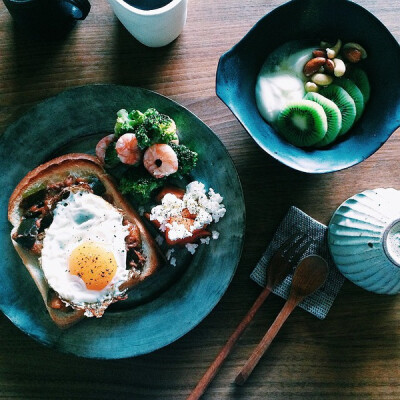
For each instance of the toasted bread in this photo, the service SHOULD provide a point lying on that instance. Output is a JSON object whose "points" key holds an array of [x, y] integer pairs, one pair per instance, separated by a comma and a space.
{"points": [[56, 170]]}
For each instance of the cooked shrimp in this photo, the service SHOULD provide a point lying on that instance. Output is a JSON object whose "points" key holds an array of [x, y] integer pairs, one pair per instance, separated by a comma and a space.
{"points": [[160, 160], [127, 149], [101, 147]]}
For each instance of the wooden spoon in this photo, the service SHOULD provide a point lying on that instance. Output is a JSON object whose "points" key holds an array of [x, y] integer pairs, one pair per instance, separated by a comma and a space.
{"points": [[279, 267], [310, 274]]}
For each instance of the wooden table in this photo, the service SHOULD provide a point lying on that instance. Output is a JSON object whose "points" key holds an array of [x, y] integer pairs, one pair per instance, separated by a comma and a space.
{"points": [[353, 354]]}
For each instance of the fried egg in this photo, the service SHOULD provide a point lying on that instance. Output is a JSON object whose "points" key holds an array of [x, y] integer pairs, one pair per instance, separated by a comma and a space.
{"points": [[84, 253]]}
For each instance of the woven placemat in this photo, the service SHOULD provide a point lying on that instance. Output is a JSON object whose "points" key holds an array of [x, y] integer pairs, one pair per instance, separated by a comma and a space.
{"points": [[296, 221]]}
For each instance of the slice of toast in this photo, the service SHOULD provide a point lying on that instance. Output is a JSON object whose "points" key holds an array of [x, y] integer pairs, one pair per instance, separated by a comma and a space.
{"points": [[57, 170]]}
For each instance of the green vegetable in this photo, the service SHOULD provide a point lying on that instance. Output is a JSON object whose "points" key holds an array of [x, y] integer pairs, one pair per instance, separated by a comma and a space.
{"points": [[142, 137], [187, 159], [149, 127], [139, 184], [111, 158], [160, 124], [127, 121]]}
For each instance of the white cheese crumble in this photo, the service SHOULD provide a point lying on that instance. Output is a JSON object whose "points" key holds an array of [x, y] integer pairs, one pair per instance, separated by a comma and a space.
{"points": [[207, 207], [191, 247], [172, 261], [205, 240], [169, 254], [177, 231], [215, 235]]}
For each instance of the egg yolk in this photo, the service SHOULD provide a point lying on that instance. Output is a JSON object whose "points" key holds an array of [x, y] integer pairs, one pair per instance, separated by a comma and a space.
{"points": [[93, 264]]}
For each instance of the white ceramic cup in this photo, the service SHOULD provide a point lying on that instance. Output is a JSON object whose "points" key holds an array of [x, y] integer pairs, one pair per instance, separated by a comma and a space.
{"points": [[153, 28]]}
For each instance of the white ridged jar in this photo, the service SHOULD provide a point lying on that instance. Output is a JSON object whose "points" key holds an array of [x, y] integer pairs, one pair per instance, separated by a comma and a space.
{"points": [[364, 240]]}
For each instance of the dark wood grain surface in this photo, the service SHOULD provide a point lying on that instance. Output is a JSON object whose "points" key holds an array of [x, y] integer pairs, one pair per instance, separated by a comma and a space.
{"points": [[353, 354]]}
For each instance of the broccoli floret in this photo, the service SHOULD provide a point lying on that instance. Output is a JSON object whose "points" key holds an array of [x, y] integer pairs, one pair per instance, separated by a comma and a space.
{"points": [[160, 127], [122, 123], [136, 117], [111, 158], [149, 127], [187, 159], [127, 121], [139, 184], [142, 137]]}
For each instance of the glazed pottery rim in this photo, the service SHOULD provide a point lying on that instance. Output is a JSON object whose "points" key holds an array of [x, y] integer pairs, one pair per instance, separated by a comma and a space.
{"points": [[385, 241]]}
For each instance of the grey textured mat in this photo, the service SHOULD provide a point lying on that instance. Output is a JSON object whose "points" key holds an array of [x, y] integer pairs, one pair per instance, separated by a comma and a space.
{"points": [[297, 221]]}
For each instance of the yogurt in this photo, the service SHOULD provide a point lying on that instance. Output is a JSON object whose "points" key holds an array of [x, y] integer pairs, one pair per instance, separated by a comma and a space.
{"points": [[281, 78]]}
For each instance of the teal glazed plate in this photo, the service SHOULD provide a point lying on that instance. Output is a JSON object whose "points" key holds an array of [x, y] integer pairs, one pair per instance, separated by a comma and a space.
{"points": [[176, 299]]}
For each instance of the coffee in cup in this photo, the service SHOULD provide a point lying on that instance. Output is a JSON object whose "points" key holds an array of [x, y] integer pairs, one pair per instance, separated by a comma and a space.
{"points": [[154, 23], [148, 4]]}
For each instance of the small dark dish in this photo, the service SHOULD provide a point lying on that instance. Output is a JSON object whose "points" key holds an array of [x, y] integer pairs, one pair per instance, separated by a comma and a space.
{"points": [[315, 19]]}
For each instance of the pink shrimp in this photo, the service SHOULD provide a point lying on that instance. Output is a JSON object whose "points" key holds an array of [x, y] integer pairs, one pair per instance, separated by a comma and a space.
{"points": [[101, 147], [127, 149], [160, 160]]}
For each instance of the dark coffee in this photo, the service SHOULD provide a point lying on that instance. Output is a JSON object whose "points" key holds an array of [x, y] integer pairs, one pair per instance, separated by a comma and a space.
{"points": [[147, 4]]}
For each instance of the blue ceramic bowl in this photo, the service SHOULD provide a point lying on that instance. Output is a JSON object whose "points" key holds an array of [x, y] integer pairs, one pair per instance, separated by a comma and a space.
{"points": [[315, 19]]}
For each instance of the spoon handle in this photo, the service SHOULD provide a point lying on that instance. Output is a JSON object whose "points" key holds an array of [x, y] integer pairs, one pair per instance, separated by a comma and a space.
{"points": [[265, 342], [225, 351]]}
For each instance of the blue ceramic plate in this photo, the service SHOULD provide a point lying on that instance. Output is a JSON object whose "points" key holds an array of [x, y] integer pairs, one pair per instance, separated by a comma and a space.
{"points": [[314, 20], [178, 298]]}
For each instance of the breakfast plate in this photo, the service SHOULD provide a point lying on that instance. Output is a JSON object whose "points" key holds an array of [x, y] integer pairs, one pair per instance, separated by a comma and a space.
{"points": [[176, 299]]}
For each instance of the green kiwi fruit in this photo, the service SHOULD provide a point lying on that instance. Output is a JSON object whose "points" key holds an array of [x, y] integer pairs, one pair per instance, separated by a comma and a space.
{"points": [[302, 123], [345, 103], [352, 89], [333, 115], [360, 78]]}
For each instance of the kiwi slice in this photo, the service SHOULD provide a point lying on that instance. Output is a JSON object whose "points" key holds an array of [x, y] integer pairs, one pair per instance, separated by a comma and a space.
{"points": [[302, 123], [345, 103], [360, 78], [352, 89], [333, 115]]}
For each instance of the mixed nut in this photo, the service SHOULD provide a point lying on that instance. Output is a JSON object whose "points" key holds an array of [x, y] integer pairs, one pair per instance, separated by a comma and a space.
{"points": [[329, 61]]}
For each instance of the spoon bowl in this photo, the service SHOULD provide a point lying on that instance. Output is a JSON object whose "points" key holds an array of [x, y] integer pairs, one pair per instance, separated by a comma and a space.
{"points": [[309, 276]]}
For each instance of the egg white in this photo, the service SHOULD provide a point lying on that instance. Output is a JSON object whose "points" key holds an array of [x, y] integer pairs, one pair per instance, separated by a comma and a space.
{"points": [[83, 217]]}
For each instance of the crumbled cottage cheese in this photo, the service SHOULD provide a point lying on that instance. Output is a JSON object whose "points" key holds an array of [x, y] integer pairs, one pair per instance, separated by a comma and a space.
{"points": [[169, 253], [205, 240], [207, 207], [191, 247], [215, 235]]}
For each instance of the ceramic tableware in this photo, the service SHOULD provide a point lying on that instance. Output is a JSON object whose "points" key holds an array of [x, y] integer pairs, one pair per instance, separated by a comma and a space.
{"points": [[152, 27], [364, 240], [179, 297], [47, 16], [315, 19]]}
